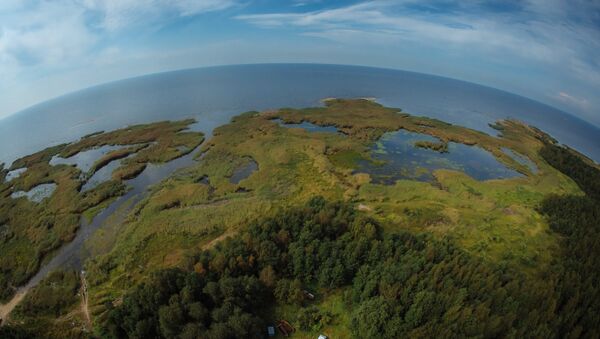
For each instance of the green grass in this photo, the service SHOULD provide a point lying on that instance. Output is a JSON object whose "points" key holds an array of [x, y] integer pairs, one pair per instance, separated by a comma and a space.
{"points": [[487, 218], [346, 158], [52, 308], [331, 303], [39, 229], [495, 220]]}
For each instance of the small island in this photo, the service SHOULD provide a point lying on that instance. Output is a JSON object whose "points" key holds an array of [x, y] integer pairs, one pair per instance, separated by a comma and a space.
{"points": [[441, 147]]}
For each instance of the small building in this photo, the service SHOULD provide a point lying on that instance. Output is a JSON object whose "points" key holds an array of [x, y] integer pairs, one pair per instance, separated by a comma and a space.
{"points": [[271, 331], [322, 336], [285, 327], [308, 295]]}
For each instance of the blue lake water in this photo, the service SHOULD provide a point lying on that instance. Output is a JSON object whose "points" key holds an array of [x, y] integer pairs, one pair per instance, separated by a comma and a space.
{"points": [[36, 194], [84, 160], [11, 175], [523, 160], [102, 175], [308, 126], [395, 157], [243, 172], [213, 95]]}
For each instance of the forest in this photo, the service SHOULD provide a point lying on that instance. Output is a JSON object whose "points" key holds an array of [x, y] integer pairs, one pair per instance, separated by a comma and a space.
{"points": [[394, 284]]}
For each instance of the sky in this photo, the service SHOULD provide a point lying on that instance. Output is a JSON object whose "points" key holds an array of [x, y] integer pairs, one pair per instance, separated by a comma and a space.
{"points": [[547, 50]]}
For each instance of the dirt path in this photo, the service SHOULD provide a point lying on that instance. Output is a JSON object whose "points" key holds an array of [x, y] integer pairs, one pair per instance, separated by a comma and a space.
{"points": [[218, 239], [84, 301], [8, 307]]}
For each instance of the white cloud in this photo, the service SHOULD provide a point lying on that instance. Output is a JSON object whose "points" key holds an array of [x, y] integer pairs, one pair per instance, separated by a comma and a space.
{"points": [[556, 37], [572, 100], [117, 14], [54, 33], [536, 40], [57, 32], [41, 41]]}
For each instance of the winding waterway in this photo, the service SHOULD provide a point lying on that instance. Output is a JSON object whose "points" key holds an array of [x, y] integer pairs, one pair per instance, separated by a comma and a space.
{"points": [[72, 255]]}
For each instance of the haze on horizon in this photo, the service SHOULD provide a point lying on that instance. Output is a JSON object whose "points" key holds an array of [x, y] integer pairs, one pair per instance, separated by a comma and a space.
{"points": [[543, 49]]}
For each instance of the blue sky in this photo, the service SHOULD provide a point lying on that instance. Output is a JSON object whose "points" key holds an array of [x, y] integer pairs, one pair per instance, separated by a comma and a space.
{"points": [[548, 50]]}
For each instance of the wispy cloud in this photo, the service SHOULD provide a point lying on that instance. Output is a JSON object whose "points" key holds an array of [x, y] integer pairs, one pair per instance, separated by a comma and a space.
{"points": [[117, 14], [40, 39], [564, 35], [536, 48], [572, 100], [57, 32], [36, 37], [526, 31]]}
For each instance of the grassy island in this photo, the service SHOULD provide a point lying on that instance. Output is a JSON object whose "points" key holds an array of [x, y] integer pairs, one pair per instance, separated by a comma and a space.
{"points": [[441, 147]]}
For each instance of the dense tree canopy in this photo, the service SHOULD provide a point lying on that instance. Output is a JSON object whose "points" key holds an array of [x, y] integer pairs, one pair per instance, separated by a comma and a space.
{"points": [[397, 285]]}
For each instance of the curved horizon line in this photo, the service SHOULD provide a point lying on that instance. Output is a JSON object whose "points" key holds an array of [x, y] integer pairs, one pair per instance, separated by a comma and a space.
{"points": [[83, 89]]}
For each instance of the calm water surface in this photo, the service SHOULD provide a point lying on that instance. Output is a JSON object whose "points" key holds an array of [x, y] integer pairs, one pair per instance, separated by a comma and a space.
{"points": [[11, 175], [214, 95], [103, 174], [308, 126], [36, 194], [523, 160], [395, 157], [73, 254], [84, 160], [243, 172]]}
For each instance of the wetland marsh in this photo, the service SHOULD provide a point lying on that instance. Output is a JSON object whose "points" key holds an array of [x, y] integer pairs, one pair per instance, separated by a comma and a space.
{"points": [[174, 204]]}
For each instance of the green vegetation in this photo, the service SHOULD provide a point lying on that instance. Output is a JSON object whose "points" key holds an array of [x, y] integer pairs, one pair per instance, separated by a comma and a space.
{"points": [[441, 147], [53, 297], [114, 155], [576, 219], [49, 310], [185, 304], [30, 232], [200, 254], [399, 285], [587, 176]]}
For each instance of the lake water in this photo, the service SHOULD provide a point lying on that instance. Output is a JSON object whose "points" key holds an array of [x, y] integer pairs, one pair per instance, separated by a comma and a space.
{"points": [[11, 175], [395, 157], [36, 194], [213, 95], [103, 174], [84, 160], [523, 160], [308, 126], [243, 172]]}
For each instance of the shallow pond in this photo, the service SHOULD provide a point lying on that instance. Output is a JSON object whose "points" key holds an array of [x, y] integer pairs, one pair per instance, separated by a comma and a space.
{"points": [[14, 174], [84, 160], [36, 194], [395, 157], [308, 126], [243, 172], [521, 159], [103, 174]]}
